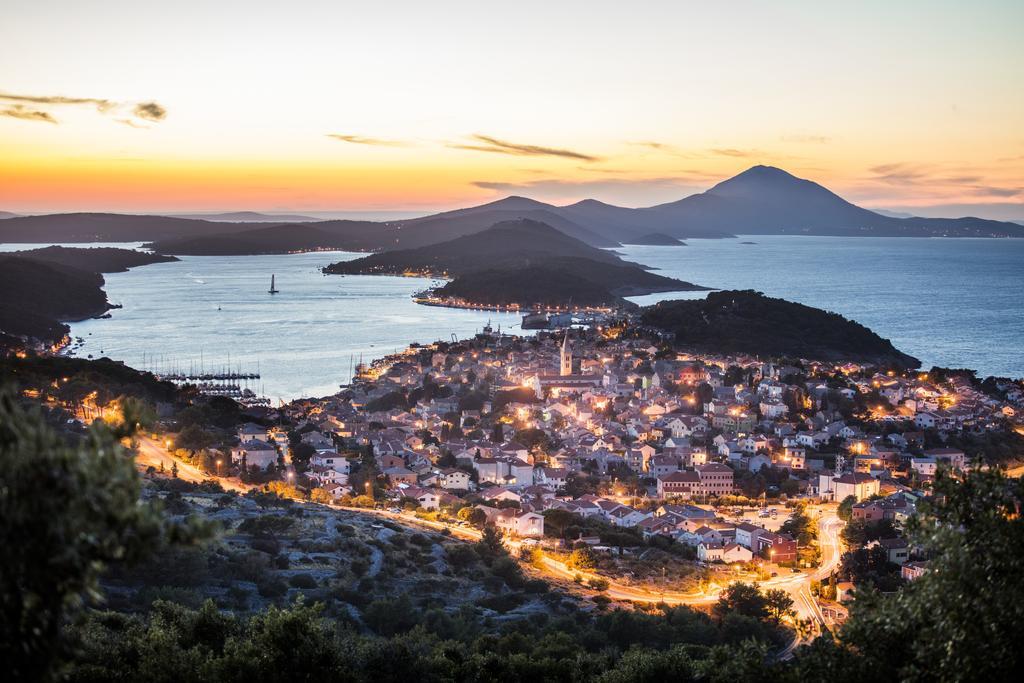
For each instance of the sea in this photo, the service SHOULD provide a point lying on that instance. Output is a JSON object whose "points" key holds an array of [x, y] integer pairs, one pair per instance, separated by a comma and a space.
{"points": [[948, 302]]}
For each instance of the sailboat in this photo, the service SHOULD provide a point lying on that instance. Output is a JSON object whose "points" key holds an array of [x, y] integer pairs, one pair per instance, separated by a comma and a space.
{"points": [[273, 289]]}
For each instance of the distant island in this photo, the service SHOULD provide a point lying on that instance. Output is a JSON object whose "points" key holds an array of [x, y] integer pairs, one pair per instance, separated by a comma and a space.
{"points": [[657, 239], [96, 259], [247, 217], [44, 288], [518, 263], [763, 200], [750, 322]]}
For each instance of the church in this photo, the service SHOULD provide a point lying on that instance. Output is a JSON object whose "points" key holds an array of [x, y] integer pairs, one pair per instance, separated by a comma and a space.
{"points": [[565, 381]]}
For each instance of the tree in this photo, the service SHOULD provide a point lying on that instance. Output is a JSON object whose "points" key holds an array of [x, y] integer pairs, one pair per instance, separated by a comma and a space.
{"points": [[778, 604], [958, 621], [498, 433], [490, 546], [193, 438], [68, 511], [581, 558], [472, 515], [742, 598], [845, 511]]}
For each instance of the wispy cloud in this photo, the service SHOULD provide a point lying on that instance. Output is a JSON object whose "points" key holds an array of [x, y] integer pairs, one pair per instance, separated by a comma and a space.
{"points": [[150, 111], [486, 143], [20, 111], [733, 152], [147, 111], [806, 139], [363, 140]]}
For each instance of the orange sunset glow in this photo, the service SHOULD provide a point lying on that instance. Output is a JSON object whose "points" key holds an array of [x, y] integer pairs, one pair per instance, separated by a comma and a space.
{"points": [[417, 107]]}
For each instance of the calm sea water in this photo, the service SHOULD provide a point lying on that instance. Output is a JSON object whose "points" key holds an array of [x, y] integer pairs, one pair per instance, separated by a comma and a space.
{"points": [[215, 311], [948, 302]]}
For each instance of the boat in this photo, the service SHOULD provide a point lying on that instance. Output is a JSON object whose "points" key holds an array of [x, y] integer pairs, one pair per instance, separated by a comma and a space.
{"points": [[273, 289]]}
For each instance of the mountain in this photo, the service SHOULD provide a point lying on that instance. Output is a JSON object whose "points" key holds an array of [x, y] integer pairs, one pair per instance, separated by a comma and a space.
{"points": [[96, 259], [760, 200], [750, 322], [520, 262], [764, 200], [7, 214], [247, 217]]}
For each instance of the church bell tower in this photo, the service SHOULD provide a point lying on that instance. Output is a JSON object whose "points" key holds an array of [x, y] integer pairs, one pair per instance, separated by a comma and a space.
{"points": [[566, 355]]}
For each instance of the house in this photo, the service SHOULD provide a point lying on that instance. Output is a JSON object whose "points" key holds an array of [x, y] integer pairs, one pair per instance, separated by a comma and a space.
{"points": [[400, 475], [926, 467], [747, 535], [844, 591], [516, 523], [428, 499], [331, 460], [896, 549], [551, 476], [777, 548], [951, 457], [254, 453], [253, 432], [454, 479], [913, 570], [858, 485]]}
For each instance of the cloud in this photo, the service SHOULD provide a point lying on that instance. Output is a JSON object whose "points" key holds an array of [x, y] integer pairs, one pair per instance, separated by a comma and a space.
{"points": [[807, 139], [19, 111], [496, 146], [732, 152], [361, 140], [150, 111], [147, 111]]}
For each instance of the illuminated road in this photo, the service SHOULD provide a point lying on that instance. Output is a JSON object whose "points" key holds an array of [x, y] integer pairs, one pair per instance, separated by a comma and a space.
{"points": [[797, 585], [152, 453]]}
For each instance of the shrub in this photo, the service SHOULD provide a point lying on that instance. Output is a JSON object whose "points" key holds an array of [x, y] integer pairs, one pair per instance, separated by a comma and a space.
{"points": [[303, 581]]}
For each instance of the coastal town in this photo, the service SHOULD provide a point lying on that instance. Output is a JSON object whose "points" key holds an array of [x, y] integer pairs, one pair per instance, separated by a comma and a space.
{"points": [[622, 467]]}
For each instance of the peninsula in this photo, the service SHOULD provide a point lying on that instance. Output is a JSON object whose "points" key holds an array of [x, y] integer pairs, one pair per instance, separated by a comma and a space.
{"points": [[518, 263], [750, 322]]}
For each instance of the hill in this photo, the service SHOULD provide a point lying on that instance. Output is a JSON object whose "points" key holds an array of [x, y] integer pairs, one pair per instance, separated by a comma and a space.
{"points": [[560, 282], [247, 217], [277, 239], [7, 214], [750, 322], [105, 227], [657, 239], [95, 259], [507, 244], [38, 295], [520, 262]]}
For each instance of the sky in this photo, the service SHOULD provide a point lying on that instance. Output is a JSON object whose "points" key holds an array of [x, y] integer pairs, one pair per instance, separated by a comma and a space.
{"points": [[418, 106]]}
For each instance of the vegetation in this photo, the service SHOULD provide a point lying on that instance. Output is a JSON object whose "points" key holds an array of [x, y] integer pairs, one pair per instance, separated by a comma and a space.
{"points": [[521, 261], [750, 322], [68, 511], [954, 623], [95, 259], [38, 295]]}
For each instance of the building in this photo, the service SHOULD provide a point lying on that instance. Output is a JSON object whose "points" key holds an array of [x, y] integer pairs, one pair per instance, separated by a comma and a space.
{"points": [[715, 479], [860, 486], [516, 523], [682, 484], [254, 453]]}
